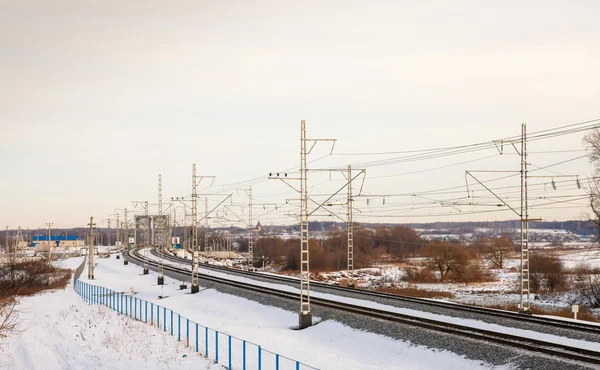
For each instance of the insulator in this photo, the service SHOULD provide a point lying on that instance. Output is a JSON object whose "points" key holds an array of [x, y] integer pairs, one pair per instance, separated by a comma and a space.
{"points": [[270, 174], [553, 184], [578, 184], [384, 201], [367, 201]]}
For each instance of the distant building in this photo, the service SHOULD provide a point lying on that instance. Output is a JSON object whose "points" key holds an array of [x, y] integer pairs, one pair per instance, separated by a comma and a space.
{"points": [[41, 243]]}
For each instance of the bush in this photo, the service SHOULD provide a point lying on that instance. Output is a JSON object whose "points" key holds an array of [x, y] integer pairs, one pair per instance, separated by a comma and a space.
{"points": [[27, 278], [415, 275], [446, 258], [473, 272], [588, 285], [545, 273]]}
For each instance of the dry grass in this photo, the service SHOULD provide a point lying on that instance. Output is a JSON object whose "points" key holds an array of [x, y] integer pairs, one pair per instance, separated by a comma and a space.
{"points": [[418, 293], [31, 277], [585, 314]]}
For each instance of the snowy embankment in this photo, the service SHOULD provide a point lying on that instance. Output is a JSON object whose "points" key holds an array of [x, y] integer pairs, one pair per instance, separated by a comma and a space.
{"points": [[58, 330], [594, 346], [328, 345]]}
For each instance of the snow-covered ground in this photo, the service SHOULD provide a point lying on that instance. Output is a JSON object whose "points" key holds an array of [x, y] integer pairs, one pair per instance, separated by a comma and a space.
{"points": [[328, 345], [58, 330], [366, 303]]}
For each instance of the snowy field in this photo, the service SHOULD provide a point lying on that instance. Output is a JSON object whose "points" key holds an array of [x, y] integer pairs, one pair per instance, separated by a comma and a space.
{"points": [[58, 330]]}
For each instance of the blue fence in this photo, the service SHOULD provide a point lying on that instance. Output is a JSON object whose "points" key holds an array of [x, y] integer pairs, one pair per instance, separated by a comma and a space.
{"points": [[222, 348]]}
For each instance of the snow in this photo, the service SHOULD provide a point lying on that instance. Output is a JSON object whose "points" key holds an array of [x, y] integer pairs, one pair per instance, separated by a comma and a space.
{"points": [[60, 331], [595, 346], [328, 345]]}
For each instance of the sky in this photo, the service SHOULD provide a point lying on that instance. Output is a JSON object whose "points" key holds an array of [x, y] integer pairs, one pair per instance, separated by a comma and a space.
{"points": [[99, 97]]}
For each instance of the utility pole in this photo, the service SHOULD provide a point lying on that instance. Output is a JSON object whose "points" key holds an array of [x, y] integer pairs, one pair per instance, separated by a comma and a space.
{"points": [[91, 250], [108, 232], [525, 306], [250, 230], [305, 315], [126, 229], [117, 231], [19, 239], [161, 268], [350, 233], [194, 241], [49, 224], [206, 224], [195, 270]]}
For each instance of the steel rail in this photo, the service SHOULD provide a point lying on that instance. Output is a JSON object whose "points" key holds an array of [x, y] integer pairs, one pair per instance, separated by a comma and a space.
{"points": [[533, 345], [556, 323]]}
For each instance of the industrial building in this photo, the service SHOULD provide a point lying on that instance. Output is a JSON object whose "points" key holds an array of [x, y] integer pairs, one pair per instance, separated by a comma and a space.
{"points": [[41, 243]]}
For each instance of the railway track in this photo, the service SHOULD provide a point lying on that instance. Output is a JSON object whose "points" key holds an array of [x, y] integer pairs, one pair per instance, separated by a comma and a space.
{"points": [[561, 351], [576, 327]]}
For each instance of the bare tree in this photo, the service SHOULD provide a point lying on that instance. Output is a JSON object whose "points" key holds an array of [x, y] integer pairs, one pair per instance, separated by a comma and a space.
{"points": [[497, 251], [446, 258], [592, 144]]}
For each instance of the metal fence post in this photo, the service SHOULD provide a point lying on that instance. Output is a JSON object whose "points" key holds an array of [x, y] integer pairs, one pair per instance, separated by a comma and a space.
{"points": [[178, 327], [259, 358], [146, 312], [171, 323], [187, 332], [297, 365], [217, 346], [206, 335], [165, 319], [276, 361], [229, 353], [244, 355], [196, 338]]}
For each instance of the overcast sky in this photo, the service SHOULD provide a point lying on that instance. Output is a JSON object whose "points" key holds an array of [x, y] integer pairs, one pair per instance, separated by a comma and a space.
{"points": [[99, 97]]}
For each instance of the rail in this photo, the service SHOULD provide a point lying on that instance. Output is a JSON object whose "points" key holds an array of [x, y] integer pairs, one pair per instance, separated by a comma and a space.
{"points": [[554, 349], [556, 323]]}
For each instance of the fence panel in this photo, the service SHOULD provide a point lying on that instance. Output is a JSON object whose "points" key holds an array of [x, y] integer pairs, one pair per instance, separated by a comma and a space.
{"points": [[222, 348]]}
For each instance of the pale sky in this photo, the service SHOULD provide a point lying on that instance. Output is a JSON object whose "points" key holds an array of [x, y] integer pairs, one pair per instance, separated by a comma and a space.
{"points": [[99, 97]]}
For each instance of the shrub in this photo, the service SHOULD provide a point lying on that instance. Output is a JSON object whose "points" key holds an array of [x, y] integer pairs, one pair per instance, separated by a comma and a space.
{"points": [[545, 273], [415, 275], [446, 258]]}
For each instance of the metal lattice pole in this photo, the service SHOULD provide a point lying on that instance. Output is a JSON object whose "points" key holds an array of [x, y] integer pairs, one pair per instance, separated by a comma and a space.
{"points": [[350, 232], [147, 241], [91, 265], [525, 306], [305, 313], [250, 231], [108, 231], [125, 229], [206, 226], [159, 231], [195, 273], [49, 224], [118, 231]]}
